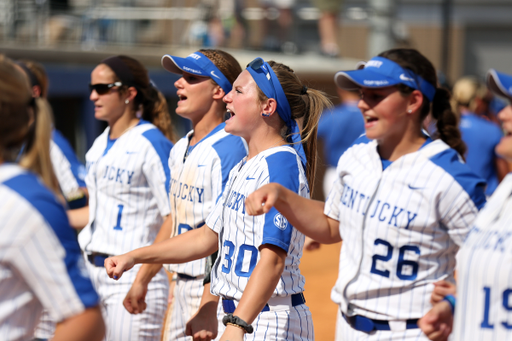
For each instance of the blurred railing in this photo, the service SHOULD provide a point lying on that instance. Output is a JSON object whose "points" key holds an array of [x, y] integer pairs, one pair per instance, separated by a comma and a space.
{"points": [[92, 24]]}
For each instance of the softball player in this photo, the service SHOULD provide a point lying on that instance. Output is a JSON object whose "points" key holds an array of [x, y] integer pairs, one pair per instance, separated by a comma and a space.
{"points": [[128, 180], [484, 261], [402, 203], [257, 272], [67, 174], [40, 260], [58, 166], [199, 165]]}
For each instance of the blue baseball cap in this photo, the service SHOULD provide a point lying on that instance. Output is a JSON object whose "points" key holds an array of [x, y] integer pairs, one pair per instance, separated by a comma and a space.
{"points": [[380, 72], [499, 83], [196, 64]]}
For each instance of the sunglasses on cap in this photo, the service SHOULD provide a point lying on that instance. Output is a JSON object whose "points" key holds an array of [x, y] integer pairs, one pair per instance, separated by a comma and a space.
{"points": [[257, 64], [102, 89]]}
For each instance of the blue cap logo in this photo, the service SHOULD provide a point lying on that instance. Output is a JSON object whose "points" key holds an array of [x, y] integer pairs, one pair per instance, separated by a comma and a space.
{"points": [[197, 64]]}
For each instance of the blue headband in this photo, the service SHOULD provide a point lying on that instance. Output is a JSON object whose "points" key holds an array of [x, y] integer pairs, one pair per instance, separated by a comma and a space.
{"points": [[381, 72], [268, 82], [197, 64]]}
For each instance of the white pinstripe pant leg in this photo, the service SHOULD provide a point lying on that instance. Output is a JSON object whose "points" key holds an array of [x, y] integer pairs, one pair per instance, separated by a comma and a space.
{"points": [[187, 297], [121, 325], [285, 325], [347, 333]]}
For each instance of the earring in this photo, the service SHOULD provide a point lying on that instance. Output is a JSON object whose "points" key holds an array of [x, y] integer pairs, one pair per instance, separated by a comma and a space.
{"points": [[265, 115], [127, 101], [409, 111]]}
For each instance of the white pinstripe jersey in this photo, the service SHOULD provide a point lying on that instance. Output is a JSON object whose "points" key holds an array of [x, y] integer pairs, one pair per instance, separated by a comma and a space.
{"points": [[401, 226], [484, 278], [198, 177], [36, 271], [128, 181], [241, 235], [69, 171]]}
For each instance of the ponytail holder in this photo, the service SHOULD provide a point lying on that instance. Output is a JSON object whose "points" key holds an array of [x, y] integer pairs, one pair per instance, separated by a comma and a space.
{"points": [[304, 90]]}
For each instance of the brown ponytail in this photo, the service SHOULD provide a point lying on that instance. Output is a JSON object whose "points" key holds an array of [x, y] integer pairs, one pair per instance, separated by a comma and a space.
{"points": [[306, 105], [149, 100], [447, 122]]}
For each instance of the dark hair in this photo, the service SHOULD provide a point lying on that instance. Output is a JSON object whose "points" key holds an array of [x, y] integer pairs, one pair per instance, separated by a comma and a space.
{"points": [[151, 102], [15, 102], [306, 105], [447, 122], [39, 72]]}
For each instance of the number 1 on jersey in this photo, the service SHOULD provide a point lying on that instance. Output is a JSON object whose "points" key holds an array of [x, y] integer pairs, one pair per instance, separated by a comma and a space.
{"points": [[119, 214]]}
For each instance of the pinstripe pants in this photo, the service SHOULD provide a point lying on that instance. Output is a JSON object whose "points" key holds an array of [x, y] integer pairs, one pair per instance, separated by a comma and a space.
{"points": [[120, 324], [187, 298]]}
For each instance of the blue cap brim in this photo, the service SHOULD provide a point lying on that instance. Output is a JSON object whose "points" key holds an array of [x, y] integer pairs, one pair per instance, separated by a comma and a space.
{"points": [[179, 65], [500, 83], [352, 80]]}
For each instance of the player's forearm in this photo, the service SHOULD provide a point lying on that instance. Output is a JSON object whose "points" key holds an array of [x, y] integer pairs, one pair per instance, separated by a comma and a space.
{"points": [[186, 247], [79, 217], [307, 216], [262, 283], [148, 271], [87, 326]]}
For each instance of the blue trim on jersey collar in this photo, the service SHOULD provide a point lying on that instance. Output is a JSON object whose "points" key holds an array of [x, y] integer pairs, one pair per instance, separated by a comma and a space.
{"points": [[268, 82], [381, 72], [211, 133]]}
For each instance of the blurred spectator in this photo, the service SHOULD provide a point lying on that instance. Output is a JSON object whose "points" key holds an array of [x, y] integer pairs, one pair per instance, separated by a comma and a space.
{"points": [[471, 101], [328, 26], [278, 38], [338, 129]]}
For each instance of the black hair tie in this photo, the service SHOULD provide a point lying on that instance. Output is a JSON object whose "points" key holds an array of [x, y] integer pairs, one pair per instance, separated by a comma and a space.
{"points": [[304, 90]]}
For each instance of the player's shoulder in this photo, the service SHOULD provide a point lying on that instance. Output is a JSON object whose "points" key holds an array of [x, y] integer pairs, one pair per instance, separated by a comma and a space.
{"points": [[284, 166], [360, 144], [227, 145], [151, 137], [450, 162], [28, 189]]}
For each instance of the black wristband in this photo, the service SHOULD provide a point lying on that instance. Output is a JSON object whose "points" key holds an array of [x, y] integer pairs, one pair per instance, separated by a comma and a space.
{"points": [[230, 318]]}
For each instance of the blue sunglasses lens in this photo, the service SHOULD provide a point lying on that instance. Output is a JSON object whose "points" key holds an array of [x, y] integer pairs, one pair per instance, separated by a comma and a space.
{"points": [[256, 64]]}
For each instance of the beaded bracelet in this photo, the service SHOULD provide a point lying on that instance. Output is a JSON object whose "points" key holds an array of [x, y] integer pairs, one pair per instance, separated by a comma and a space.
{"points": [[238, 322]]}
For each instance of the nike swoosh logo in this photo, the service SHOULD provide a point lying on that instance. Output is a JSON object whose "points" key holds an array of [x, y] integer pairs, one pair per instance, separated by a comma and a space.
{"points": [[415, 188], [405, 78], [214, 75], [131, 153], [200, 166], [249, 178]]}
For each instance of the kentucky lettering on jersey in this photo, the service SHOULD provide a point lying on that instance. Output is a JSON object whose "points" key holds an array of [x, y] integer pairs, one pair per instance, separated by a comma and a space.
{"points": [[182, 191], [381, 210], [240, 235], [235, 201], [401, 226], [198, 176], [118, 175], [128, 181]]}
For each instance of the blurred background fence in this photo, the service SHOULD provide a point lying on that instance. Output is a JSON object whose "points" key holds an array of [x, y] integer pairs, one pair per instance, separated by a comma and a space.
{"points": [[70, 37]]}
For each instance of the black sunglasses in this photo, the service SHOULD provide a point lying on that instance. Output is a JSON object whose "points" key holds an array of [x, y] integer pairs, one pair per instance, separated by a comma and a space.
{"points": [[102, 89]]}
